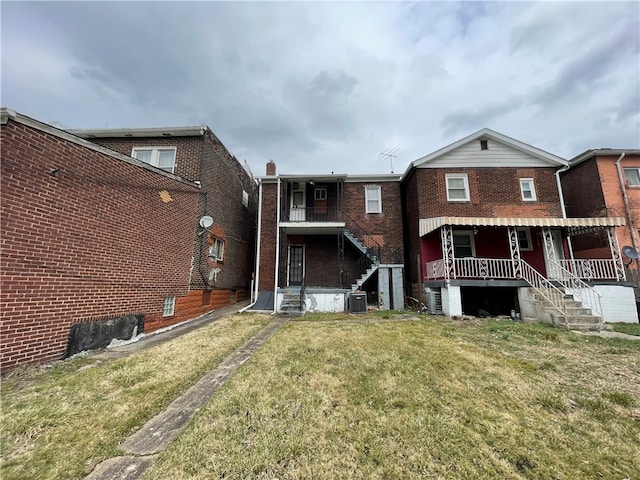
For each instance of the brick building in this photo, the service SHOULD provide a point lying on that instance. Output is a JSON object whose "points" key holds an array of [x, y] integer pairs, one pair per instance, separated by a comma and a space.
{"points": [[223, 252], [324, 236], [486, 232], [89, 237], [605, 182]]}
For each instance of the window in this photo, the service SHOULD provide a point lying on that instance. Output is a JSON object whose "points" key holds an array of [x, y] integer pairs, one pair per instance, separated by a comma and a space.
{"points": [[320, 193], [373, 200], [524, 239], [484, 144], [169, 306], [527, 189], [457, 187], [463, 244], [632, 175], [161, 157], [245, 198], [216, 250]]}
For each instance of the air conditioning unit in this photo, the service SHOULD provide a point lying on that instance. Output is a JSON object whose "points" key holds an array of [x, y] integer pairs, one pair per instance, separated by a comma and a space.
{"points": [[358, 303], [434, 303]]}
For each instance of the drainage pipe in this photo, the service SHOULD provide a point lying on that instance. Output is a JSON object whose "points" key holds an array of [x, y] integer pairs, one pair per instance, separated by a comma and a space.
{"points": [[275, 286], [625, 199], [562, 207], [254, 290]]}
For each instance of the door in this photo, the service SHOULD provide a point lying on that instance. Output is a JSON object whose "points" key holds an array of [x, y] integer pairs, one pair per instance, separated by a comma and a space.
{"points": [[298, 204], [296, 265], [556, 253]]}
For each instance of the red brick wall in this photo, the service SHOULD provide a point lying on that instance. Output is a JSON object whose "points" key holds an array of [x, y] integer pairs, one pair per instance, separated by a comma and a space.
{"points": [[100, 238], [268, 234]]}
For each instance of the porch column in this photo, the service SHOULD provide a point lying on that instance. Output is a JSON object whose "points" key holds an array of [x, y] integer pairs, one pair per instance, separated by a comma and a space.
{"points": [[514, 248], [615, 254], [448, 257], [549, 252]]}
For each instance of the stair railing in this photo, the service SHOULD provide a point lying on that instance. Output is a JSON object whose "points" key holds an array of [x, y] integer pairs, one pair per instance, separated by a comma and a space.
{"points": [[544, 287], [373, 249], [585, 293]]}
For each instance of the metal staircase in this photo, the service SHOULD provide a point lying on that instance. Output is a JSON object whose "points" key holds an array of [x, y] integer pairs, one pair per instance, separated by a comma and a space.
{"points": [[369, 262]]}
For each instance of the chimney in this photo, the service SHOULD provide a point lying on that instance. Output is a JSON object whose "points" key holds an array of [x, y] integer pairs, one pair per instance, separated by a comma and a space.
{"points": [[271, 168]]}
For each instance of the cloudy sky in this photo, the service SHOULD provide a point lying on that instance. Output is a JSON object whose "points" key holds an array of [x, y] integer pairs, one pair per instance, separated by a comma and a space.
{"points": [[328, 86]]}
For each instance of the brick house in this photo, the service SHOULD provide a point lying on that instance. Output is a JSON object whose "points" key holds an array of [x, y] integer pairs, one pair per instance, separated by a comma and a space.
{"points": [[323, 237], [90, 238], [486, 233], [605, 182], [224, 243]]}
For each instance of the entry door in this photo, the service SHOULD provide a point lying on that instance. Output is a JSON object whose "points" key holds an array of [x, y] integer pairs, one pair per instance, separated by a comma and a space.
{"points": [[296, 265], [558, 253], [298, 205]]}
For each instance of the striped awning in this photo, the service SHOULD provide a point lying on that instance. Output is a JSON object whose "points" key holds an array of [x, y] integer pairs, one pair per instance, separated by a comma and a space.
{"points": [[428, 225]]}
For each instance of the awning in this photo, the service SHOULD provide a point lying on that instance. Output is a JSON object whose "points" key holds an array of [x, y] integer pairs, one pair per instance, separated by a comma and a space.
{"points": [[428, 225]]}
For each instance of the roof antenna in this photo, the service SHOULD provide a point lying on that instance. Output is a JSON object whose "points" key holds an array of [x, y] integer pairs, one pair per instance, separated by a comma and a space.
{"points": [[389, 153]]}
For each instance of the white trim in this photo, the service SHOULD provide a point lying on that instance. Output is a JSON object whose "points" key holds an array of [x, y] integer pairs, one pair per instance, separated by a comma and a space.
{"points": [[378, 198], [155, 155], [465, 179], [625, 170], [169, 307], [532, 189], [465, 233], [527, 232]]}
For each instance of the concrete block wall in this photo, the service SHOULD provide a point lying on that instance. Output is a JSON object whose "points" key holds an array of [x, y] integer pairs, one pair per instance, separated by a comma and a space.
{"points": [[85, 235], [618, 303]]}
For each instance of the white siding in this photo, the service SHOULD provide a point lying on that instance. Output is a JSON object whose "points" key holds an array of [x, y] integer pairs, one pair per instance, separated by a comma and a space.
{"points": [[618, 303], [498, 155]]}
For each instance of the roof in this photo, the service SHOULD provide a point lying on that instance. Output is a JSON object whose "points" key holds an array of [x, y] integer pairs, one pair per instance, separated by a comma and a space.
{"points": [[332, 178], [487, 133], [602, 152], [428, 225], [7, 114], [194, 131]]}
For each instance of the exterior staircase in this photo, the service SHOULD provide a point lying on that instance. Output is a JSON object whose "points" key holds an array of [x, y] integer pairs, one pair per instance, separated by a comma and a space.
{"points": [[575, 316], [291, 302], [375, 261]]}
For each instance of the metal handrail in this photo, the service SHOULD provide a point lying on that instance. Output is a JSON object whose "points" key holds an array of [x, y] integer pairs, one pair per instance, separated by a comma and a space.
{"points": [[589, 297], [544, 287], [594, 268]]}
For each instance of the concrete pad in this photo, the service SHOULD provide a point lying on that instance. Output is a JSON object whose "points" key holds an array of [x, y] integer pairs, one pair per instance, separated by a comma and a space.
{"points": [[121, 468]]}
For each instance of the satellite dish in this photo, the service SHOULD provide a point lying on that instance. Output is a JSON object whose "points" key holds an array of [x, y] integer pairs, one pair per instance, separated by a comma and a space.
{"points": [[207, 221], [630, 252]]}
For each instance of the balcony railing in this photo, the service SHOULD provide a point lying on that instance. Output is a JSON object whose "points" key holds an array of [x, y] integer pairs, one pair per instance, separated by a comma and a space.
{"points": [[500, 268], [312, 214]]}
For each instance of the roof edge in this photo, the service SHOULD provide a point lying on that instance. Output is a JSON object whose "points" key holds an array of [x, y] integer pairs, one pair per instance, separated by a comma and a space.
{"points": [[188, 131]]}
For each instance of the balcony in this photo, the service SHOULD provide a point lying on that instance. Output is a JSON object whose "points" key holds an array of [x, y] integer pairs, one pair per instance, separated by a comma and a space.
{"points": [[312, 215]]}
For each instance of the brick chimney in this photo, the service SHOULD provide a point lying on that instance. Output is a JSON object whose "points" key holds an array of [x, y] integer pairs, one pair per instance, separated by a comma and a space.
{"points": [[271, 168]]}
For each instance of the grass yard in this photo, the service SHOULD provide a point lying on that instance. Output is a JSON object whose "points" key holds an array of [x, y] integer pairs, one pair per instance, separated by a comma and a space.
{"points": [[339, 396], [420, 399], [59, 423], [628, 328]]}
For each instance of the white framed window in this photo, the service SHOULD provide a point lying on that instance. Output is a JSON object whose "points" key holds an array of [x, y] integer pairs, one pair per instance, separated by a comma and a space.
{"points": [[169, 306], [632, 175], [457, 187], [245, 198], [373, 199], [320, 193], [524, 239], [161, 157], [527, 189], [464, 244], [216, 250]]}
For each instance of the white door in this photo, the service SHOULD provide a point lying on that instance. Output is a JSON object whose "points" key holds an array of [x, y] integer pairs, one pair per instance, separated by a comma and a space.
{"points": [[557, 253], [298, 205]]}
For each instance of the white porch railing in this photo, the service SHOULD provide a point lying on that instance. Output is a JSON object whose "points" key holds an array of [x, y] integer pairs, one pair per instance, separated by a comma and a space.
{"points": [[589, 297], [591, 269], [544, 287], [472, 267]]}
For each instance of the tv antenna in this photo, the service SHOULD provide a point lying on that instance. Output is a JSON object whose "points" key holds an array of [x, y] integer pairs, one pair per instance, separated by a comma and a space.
{"points": [[389, 153]]}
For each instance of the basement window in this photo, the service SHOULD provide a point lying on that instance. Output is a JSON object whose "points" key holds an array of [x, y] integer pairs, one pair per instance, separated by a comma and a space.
{"points": [[633, 176], [169, 306]]}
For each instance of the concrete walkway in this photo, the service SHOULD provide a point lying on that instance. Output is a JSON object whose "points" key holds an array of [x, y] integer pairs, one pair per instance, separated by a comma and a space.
{"points": [[143, 446]]}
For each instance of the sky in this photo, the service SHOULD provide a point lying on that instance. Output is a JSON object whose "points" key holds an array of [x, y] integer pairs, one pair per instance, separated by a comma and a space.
{"points": [[323, 87]]}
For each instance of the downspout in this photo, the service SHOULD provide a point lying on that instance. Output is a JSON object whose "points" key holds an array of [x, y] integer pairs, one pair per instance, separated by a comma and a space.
{"points": [[562, 207], [257, 269], [275, 287], [625, 200]]}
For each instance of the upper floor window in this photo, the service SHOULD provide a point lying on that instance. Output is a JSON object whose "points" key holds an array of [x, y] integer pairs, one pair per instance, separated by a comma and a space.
{"points": [[632, 175], [524, 239], [484, 144], [320, 193], [527, 189], [457, 187], [161, 157], [373, 200], [245, 198], [216, 249]]}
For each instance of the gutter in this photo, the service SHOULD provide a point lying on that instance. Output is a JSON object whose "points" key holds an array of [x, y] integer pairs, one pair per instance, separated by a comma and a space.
{"points": [[625, 199], [259, 234]]}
